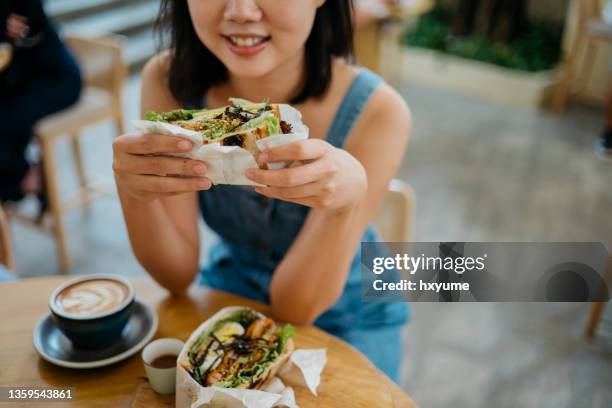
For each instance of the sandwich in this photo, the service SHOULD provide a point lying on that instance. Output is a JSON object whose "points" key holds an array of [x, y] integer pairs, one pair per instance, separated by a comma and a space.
{"points": [[241, 349], [242, 123]]}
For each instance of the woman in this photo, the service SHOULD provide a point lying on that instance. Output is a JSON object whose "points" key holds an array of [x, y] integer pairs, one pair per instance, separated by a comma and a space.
{"points": [[294, 243]]}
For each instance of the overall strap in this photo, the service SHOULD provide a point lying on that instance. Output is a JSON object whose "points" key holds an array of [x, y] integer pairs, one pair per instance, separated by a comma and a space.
{"points": [[352, 105]]}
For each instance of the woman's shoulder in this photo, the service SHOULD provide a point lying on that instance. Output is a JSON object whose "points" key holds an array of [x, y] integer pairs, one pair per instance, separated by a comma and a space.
{"points": [[383, 104], [155, 86], [158, 67], [384, 98], [386, 103]]}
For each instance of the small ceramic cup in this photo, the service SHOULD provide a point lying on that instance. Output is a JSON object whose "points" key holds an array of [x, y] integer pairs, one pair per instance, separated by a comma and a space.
{"points": [[162, 380]]}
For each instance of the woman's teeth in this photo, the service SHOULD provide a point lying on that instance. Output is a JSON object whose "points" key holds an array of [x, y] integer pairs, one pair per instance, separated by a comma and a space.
{"points": [[246, 41]]}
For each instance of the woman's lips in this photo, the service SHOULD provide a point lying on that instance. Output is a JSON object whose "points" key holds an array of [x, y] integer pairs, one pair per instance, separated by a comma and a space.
{"points": [[246, 46]]}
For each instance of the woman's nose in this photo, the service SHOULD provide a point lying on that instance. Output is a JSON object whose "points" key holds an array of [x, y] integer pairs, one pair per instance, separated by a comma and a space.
{"points": [[242, 11]]}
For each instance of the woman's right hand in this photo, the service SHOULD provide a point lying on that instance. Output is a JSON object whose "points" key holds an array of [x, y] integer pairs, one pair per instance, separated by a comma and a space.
{"points": [[142, 173]]}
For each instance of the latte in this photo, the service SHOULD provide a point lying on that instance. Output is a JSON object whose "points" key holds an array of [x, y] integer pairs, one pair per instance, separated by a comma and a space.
{"points": [[91, 297]]}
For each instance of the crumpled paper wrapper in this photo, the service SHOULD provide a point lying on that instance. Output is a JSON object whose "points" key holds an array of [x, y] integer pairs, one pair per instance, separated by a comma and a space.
{"points": [[227, 164], [303, 367]]}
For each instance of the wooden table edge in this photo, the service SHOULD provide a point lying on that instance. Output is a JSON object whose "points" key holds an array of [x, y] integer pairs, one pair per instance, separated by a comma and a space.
{"points": [[398, 396]]}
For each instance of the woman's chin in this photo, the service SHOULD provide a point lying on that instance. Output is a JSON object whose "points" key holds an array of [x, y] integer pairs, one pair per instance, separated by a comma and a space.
{"points": [[249, 70]]}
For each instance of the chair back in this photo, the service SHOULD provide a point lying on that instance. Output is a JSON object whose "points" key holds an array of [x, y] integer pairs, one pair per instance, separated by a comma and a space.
{"points": [[394, 219], [101, 61], [589, 10], [6, 252]]}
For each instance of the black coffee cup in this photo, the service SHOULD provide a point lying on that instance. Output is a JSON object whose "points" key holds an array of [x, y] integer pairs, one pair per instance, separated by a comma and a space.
{"points": [[86, 326]]}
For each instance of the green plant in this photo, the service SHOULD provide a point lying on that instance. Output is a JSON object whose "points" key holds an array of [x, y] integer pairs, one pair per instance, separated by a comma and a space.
{"points": [[537, 48]]}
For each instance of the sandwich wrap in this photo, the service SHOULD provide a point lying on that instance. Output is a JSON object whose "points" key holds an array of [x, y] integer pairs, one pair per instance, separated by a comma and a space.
{"points": [[244, 385], [229, 150]]}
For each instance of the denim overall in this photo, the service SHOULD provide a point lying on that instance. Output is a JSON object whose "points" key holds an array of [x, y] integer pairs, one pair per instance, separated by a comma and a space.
{"points": [[257, 231]]}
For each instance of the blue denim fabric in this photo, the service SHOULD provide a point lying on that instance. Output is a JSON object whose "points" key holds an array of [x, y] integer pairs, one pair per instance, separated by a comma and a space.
{"points": [[256, 232], [6, 275], [382, 345]]}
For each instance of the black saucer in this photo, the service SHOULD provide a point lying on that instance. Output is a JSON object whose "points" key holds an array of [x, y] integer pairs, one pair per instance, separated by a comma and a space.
{"points": [[54, 347]]}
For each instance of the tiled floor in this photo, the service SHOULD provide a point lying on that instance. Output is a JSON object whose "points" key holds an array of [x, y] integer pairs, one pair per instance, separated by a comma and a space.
{"points": [[485, 172], [488, 173], [481, 172]]}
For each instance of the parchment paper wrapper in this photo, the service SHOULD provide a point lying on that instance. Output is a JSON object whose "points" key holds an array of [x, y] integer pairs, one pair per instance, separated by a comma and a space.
{"points": [[303, 367], [227, 164]]}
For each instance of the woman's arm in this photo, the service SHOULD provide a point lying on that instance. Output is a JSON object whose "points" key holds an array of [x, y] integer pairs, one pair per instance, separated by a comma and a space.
{"points": [[162, 225], [312, 275]]}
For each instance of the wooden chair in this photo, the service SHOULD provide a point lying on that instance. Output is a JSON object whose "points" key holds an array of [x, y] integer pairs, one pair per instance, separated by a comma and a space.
{"points": [[6, 252], [394, 219], [591, 31], [104, 73], [369, 32], [598, 307]]}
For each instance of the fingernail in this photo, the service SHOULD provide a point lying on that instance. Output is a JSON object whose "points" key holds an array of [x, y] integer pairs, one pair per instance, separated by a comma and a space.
{"points": [[263, 157], [204, 183], [184, 145], [249, 173], [199, 169]]}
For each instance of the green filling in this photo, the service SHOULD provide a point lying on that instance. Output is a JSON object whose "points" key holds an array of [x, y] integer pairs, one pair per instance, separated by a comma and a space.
{"points": [[216, 129], [284, 335], [248, 105], [273, 125], [217, 123], [255, 372], [179, 114], [271, 122], [243, 316], [250, 375]]}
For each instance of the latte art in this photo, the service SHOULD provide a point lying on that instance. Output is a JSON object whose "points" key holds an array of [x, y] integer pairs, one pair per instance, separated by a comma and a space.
{"points": [[92, 297]]}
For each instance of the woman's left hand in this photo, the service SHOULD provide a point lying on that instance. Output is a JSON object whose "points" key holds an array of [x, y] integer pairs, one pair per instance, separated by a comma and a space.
{"points": [[318, 176], [17, 27]]}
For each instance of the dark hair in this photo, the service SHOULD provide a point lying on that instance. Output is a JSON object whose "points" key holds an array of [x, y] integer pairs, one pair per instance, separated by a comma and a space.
{"points": [[331, 36]]}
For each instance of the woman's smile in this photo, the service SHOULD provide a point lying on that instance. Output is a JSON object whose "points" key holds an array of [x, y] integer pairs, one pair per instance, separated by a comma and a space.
{"points": [[246, 45]]}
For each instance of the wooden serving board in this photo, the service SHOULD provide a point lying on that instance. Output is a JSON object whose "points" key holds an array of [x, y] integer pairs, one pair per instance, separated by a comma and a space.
{"points": [[145, 397], [346, 381]]}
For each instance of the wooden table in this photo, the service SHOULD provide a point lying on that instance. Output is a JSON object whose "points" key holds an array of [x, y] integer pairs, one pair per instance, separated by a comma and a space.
{"points": [[349, 379]]}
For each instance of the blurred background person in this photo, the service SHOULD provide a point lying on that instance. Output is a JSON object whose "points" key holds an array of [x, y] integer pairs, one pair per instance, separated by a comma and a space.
{"points": [[42, 78]]}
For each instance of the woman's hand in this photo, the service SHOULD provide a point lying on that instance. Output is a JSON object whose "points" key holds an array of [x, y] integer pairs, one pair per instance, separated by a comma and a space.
{"points": [[319, 175], [17, 27], [142, 173]]}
